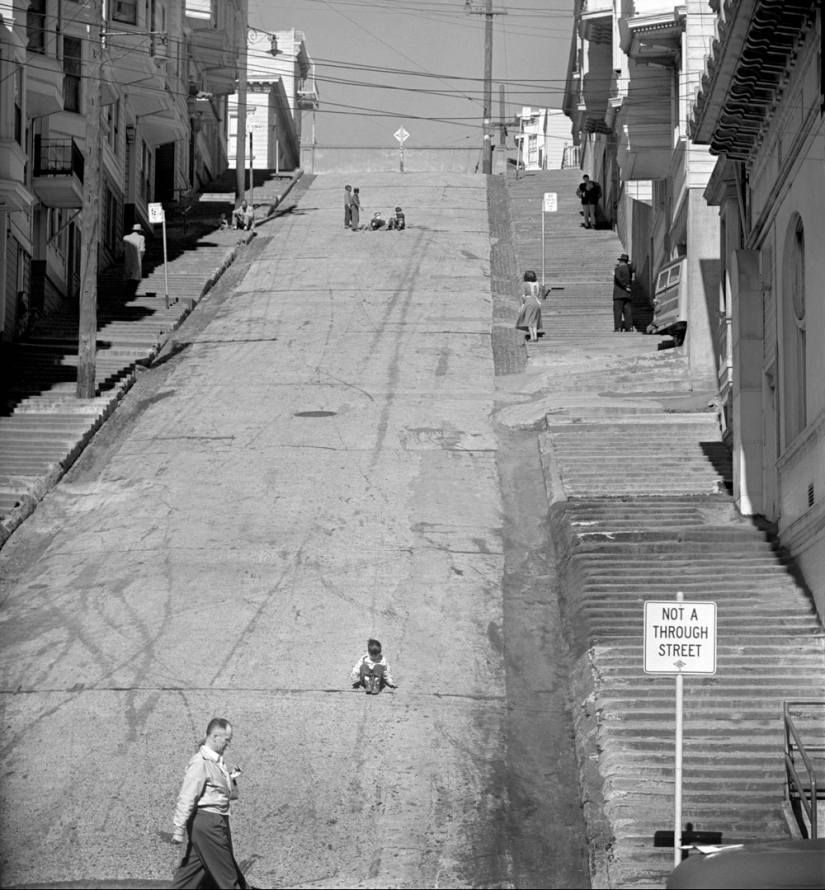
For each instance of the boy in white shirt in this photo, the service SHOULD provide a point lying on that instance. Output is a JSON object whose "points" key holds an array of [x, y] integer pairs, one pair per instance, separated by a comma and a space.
{"points": [[372, 670]]}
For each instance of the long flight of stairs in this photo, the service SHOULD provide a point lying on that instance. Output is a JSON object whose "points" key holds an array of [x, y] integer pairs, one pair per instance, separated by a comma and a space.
{"points": [[43, 426], [641, 508]]}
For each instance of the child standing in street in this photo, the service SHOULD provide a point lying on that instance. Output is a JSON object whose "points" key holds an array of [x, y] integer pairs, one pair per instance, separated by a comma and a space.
{"points": [[372, 670]]}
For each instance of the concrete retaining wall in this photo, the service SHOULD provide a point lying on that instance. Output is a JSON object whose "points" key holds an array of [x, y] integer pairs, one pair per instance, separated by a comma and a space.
{"points": [[369, 159]]}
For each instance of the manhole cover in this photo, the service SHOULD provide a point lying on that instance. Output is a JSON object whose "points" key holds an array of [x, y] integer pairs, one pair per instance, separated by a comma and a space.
{"points": [[315, 413]]}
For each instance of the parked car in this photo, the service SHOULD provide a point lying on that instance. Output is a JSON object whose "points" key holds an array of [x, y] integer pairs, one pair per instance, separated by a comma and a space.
{"points": [[670, 301], [779, 865]]}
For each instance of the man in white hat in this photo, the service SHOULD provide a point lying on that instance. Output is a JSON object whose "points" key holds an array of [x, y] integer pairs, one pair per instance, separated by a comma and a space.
{"points": [[134, 247]]}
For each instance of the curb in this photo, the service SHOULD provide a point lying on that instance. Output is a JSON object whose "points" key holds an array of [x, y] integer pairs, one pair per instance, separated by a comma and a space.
{"points": [[43, 484]]}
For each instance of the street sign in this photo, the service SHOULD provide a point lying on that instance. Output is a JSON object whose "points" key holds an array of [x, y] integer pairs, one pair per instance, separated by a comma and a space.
{"points": [[156, 213], [551, 202], [401, 134], [680, 638]]}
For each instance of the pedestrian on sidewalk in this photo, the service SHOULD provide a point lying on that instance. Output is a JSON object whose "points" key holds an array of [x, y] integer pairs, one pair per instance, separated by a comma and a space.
{"points": [[347, 206], [589, 192], [243, 217], [202, 812], [622, 295], [372, 670], [529, 317], [355, 210], [134, 248]]}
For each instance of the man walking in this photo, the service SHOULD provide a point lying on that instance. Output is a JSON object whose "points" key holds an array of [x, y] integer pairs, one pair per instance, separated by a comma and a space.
{"points": [[347, 206], [622, 291], [202, 811], [134, 247], [589, 192]]}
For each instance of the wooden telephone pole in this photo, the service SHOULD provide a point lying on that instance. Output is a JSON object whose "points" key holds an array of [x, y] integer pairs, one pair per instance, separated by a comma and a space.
{"points": [[92, 194], [488, 12]]}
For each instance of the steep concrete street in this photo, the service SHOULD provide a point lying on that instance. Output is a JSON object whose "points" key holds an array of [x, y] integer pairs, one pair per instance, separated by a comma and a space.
{"points": [[311, 461]]}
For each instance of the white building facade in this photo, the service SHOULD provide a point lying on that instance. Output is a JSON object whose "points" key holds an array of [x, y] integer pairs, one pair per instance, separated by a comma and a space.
{"points": [[281, 89], [759, 109], [633, 67], [166, 69]]}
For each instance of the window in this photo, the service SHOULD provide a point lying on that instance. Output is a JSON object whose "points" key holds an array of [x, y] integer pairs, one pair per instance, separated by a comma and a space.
{"points": [[72, 71], [532, 149], [110, 212], [125, 11], [36, 26], [793, 331], [18, 105], [199, 9], [146, 168], [113, 124]]}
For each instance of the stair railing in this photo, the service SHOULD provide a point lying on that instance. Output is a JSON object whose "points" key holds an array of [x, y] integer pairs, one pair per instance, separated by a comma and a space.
{"points": [[796, 788]]}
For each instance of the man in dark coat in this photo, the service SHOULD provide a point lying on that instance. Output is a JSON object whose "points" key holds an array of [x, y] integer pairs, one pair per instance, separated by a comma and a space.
{"points": [[622, 306], [347, 206], [589, 192]]}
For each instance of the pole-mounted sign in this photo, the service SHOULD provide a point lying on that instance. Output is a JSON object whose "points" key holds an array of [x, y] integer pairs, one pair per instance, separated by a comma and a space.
{"points": [[156, 215], [680, 638], [401, 135], [550, 204]]}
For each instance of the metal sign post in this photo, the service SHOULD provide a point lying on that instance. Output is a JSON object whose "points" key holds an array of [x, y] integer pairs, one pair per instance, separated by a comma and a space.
{"points": [[680, 638], [401, 134], [550, 204], [156, 215]]}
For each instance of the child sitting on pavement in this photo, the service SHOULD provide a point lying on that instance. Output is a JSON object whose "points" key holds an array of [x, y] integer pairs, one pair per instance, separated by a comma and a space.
{"points": [[397, 220], [372, 670]]}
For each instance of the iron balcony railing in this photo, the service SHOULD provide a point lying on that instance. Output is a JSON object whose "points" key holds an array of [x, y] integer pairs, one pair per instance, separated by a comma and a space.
{"points": [[803, 791], [57, 157]]}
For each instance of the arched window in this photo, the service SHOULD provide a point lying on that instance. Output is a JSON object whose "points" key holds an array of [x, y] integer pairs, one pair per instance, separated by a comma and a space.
{"points": [[793, 331]]}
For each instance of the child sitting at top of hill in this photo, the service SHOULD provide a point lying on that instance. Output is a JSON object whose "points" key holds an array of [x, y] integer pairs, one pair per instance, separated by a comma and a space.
{"points": [[372, 670], [397, 220]]}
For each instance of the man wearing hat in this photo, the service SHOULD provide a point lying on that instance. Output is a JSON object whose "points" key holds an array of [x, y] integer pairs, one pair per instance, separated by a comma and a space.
{"points": [[134, 247], [622, 307]]}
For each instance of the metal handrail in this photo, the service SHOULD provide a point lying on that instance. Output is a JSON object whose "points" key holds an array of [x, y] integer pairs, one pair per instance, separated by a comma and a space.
{"points": [[791, 774]]}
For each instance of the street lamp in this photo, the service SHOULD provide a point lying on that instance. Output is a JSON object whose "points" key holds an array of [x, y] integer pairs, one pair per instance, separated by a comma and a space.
{"points": [[488, 12]]}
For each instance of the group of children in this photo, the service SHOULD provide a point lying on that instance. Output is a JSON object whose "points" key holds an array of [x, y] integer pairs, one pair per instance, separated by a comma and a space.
{"points": [[397, 221]]}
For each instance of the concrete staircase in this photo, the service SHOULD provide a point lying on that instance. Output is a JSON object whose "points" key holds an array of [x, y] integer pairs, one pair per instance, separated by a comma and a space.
{"points": [[43, 426], [640, 509], [579, 266]]}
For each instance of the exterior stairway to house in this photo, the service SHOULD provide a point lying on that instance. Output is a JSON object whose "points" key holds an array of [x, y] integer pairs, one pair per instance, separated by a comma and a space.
{"points": [[640, 503], [43, 426]]}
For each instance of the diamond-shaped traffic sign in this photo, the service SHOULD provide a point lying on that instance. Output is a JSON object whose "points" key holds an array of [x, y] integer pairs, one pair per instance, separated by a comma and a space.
{"points": [[401, 134]]}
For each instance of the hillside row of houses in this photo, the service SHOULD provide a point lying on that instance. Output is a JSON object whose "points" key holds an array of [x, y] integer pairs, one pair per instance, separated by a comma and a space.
{"points": [[703, 122], [169, 72]]}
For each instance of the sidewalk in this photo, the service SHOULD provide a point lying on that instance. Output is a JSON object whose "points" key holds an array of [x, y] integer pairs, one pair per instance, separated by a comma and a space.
{"points": [[43, 426]]}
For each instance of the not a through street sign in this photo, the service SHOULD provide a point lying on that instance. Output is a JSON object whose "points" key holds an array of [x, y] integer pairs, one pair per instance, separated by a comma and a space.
{"points": [[680, 638]]}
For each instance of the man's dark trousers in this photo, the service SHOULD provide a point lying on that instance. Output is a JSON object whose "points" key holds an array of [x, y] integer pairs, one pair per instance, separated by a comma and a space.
{"points": [[622, 306], [209, 854]]}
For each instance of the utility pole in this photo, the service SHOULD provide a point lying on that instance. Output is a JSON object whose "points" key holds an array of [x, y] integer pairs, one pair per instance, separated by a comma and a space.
{"points": [[240, 151], [502, 141], [487, 165], [87, 329], [488, 12]]}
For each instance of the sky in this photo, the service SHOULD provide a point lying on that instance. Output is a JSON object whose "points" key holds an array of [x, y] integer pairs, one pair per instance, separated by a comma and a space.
{"points": [[383, 64]]}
